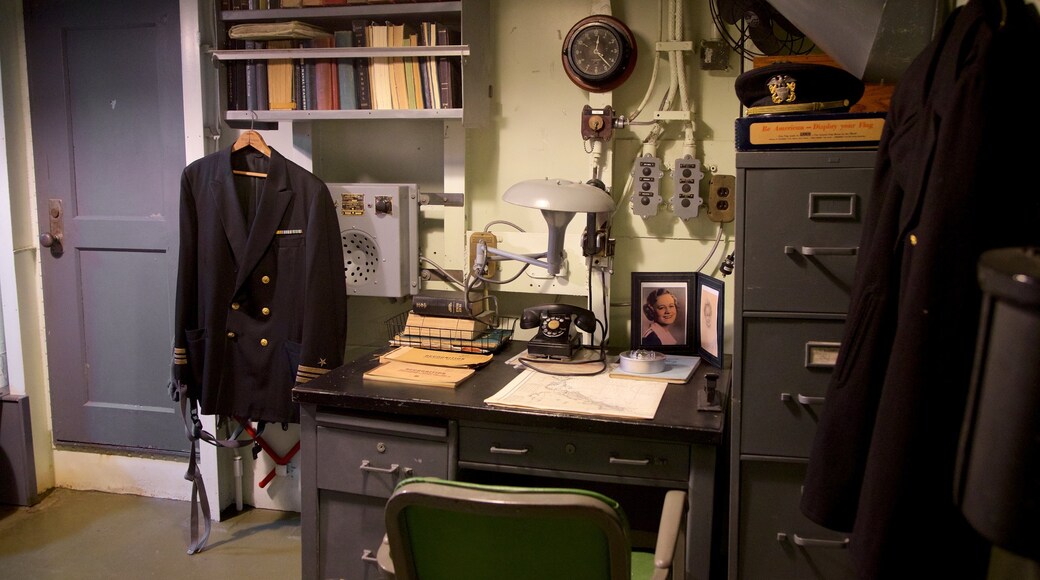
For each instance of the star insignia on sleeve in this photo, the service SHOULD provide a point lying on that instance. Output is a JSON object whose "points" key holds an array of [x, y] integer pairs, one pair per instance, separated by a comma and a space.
{"points": [[322, 362]]}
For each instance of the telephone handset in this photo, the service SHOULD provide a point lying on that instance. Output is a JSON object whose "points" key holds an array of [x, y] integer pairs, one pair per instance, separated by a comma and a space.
{"points": [[556, 324]]}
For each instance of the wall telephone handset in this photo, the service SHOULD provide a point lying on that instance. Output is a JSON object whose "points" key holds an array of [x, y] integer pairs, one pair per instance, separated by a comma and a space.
{"points": [[556, 336]]}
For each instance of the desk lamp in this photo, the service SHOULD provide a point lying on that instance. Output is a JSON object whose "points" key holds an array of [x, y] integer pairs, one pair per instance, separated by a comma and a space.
{"points": [[559, 200]]}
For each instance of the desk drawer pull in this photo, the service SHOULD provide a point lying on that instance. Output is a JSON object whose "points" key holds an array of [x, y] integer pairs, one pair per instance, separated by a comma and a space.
{"points": [[620, 461], [508, 451], [366, 465], [814, 542], [803, 399], [818, 251], [369, 556]]}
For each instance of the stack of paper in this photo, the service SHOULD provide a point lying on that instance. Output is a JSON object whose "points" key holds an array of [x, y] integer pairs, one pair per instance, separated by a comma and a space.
{"points": [[432, 368]]}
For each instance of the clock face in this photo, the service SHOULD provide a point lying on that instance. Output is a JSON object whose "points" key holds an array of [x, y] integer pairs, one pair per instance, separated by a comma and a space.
{"points": [[596, 51], [599, 53]]}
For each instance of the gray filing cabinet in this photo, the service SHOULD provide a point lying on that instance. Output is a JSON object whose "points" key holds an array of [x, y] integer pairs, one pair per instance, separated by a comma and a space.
{"points": [[798, 226]]}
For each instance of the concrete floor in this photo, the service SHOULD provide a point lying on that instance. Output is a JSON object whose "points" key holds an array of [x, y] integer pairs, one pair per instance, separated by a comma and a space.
{"points": [[87, 534]]}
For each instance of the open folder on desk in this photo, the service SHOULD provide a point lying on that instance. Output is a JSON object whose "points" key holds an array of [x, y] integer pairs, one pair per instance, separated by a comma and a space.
{"points": [[584, 395]]}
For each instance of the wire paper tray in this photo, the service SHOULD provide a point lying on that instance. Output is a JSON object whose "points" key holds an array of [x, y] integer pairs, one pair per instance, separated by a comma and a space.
{"points": [[400, 333]]}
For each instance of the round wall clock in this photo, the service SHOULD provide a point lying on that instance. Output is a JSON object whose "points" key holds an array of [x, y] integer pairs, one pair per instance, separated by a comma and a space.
{"points": [[599, 53]]}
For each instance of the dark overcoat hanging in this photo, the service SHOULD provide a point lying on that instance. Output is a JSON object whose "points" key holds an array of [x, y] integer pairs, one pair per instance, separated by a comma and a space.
{"points": [[956, 175], [261, 293]]}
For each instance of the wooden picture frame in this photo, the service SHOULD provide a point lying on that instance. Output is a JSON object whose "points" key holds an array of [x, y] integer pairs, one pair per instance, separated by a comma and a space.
{"points": [[710, 316], [661, 318]]}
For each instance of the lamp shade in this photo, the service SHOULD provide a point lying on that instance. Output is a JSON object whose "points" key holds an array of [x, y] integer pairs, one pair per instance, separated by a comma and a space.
{"points": [[559, 195]]}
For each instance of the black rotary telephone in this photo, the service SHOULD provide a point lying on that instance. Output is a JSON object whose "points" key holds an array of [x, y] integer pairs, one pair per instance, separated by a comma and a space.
{"points": [[557, 337]]}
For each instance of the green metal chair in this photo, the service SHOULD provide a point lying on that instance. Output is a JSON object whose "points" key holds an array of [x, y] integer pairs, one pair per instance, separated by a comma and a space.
{"points": [[439, 529]]}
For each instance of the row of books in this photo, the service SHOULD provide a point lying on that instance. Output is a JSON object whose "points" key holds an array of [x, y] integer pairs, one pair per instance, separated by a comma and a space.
{"points": [[274, 4], [349, 83]]}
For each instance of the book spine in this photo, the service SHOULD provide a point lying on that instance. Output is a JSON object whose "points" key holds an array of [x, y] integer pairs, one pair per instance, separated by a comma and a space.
{"points": [[263, 97], [441, 306], [345, 75], [444, 70], [362, 88]]}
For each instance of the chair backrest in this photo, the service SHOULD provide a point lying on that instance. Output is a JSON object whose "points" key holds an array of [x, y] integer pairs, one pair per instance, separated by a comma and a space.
{"points": [[441, 529]]}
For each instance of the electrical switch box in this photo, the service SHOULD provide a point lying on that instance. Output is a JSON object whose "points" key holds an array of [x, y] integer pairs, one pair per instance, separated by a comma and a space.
{"points": [[687, 177], [721, 198], [646, 173], [379, 229]]}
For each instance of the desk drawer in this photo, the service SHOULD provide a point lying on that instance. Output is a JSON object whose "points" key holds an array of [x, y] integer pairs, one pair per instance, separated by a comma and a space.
{"points": [[562, 451], [371, 463], [787, 365], [802, 230]]}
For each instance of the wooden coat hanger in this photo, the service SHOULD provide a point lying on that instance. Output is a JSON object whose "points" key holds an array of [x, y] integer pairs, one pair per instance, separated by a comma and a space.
{"points": [[252, 139]]}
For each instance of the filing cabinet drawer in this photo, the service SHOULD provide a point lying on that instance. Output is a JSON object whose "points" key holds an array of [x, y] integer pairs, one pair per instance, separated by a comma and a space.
{"points": [[801, 236], [357, 524], [371, 463], [787, 365], [560, 451], [776, 540]]}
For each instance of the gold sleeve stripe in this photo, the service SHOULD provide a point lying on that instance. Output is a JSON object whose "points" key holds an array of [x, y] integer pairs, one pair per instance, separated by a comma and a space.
{"points": [[308, 375], [300, 380], [180, 350], [180, 361], [312, 370]]}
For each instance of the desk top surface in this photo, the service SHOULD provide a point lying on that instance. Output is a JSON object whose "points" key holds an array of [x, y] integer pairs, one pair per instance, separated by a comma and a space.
{"points": [[677, 416]]}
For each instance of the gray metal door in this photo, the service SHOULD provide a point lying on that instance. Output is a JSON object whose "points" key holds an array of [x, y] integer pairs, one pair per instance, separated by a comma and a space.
{"points": [[108, 140]]}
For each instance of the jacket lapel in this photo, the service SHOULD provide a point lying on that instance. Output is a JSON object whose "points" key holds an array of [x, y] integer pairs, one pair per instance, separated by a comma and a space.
{"points": [[273, 202], [229, 210]]}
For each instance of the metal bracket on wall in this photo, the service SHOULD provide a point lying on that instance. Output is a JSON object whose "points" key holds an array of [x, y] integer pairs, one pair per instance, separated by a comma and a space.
{"points": [[445, 199]]}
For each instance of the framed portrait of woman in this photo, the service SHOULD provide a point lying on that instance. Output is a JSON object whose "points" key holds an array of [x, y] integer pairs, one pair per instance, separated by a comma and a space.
{"points": [[662, 317], [710, 309]]}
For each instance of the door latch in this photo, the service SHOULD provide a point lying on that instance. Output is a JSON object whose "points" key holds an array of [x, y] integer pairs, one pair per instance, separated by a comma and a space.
{"points": [[52, 239]]}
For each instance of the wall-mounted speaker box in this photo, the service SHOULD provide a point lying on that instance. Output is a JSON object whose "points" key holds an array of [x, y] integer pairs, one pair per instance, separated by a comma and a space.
{"points": [[379, 227]]}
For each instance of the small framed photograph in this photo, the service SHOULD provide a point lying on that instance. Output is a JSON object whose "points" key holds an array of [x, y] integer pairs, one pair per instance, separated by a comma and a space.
{"points": [[710, 322], [662, 317]]}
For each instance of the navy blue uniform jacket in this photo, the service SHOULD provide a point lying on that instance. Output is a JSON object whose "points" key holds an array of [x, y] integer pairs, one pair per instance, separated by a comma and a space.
{"points": [[955, 177], [261, 294]]}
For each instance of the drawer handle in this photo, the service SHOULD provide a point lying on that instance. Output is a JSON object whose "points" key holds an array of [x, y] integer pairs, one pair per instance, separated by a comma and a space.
{"points": [[803, 399], [620, 461], [818, 251], [369, 556], [366, 465], [814, 542], [509, 451]]}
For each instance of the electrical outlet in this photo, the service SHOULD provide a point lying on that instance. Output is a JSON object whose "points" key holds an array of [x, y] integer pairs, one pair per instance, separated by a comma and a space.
{"points": [[490, 268], [722, 194]]}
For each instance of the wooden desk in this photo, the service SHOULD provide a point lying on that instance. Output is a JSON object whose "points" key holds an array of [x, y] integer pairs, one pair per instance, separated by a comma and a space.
{"points": [[359, 438]]}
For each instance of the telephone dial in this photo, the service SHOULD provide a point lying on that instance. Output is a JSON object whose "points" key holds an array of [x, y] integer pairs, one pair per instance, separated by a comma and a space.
{"points": [[557, 336]]}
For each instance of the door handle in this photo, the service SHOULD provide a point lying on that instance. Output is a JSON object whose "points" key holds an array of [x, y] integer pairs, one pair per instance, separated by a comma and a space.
{"points": [[53, 237]]}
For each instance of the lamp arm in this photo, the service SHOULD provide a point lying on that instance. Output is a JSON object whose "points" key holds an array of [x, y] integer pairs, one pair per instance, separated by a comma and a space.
{"points": [[518, 257]]}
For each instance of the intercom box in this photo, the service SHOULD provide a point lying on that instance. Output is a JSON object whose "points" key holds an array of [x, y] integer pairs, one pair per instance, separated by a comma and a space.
{"points": [[379, 225]]}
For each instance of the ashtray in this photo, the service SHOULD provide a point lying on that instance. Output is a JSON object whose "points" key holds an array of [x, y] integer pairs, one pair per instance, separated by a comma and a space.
{"points": [[642, 362]]}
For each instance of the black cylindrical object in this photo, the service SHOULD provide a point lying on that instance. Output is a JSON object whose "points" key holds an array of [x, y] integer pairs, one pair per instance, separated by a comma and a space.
{"points": [[999, 464]]}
